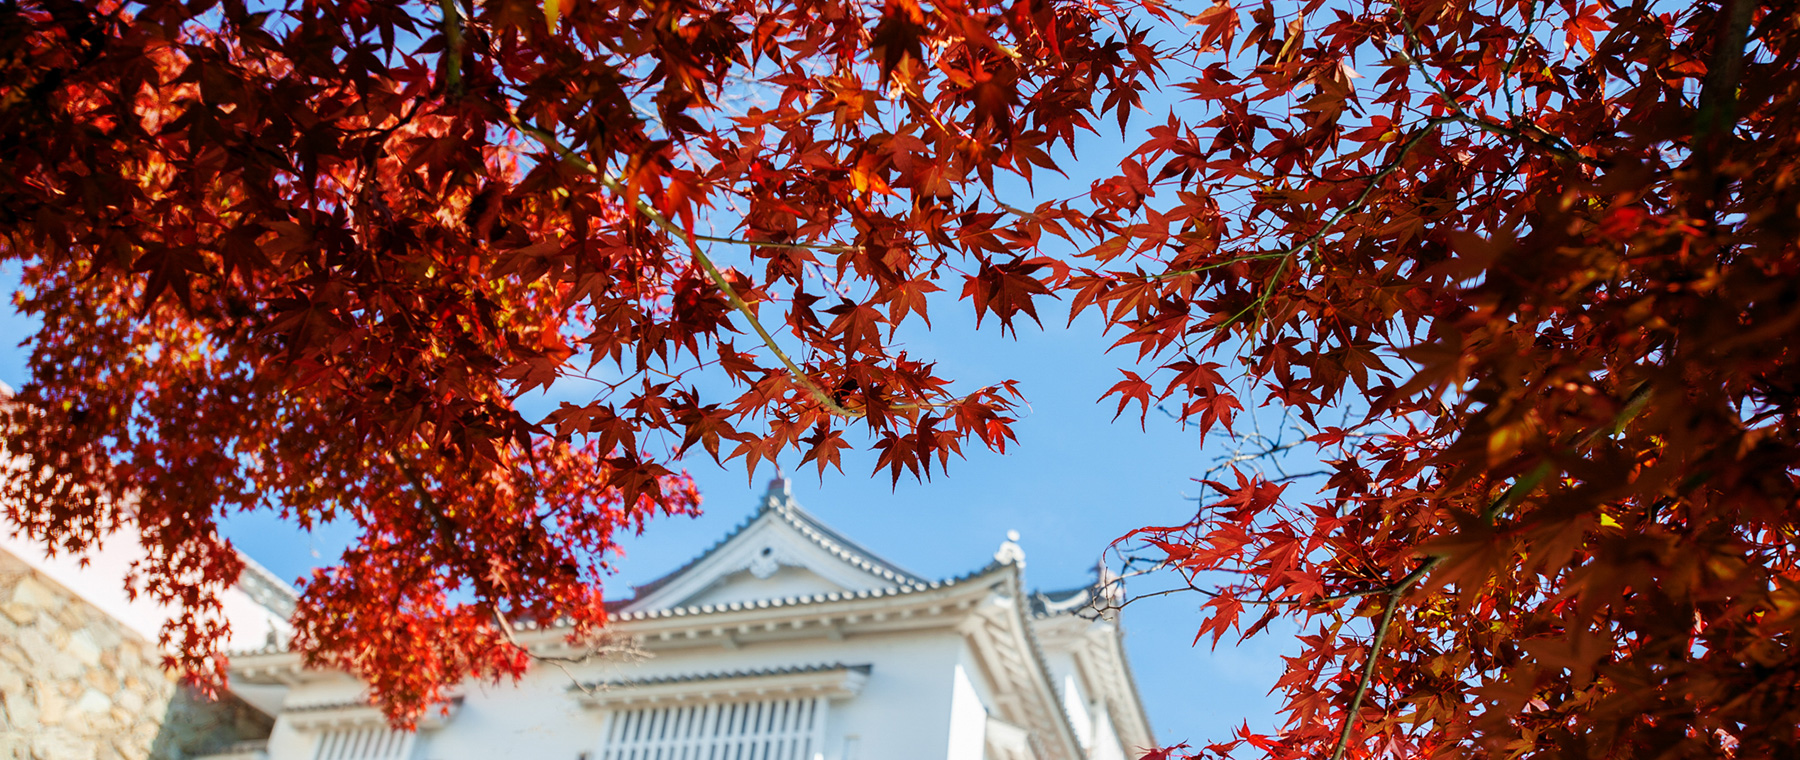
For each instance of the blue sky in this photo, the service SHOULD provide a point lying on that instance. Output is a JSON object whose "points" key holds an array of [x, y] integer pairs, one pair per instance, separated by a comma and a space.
{"points": [[1075, 481]]}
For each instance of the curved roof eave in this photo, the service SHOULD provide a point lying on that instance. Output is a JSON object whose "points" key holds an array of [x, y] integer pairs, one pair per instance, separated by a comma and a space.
{"points": [[1022, 615]]}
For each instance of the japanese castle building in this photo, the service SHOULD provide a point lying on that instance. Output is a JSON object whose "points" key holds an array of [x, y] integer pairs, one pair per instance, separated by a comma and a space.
{"points": [[784, 641]]}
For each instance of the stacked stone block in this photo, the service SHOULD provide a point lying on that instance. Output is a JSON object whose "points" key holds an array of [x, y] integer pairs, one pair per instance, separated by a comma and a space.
{"points": [[75, 684]]}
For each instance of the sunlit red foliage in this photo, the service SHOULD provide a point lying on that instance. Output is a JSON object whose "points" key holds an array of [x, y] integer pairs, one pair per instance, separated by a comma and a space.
{"points": [[307, 257], [1525, 272]]}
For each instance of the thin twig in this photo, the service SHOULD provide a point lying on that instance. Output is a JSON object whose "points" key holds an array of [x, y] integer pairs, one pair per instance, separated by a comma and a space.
{"points": [[1215, 265], [561, 663], [1557, 148], [706, 264], [505, 628], [1368, 675], [1374, 182], [1297, 476], [1561, 150], [771, 244], [1518, 488], [1525, 37]]}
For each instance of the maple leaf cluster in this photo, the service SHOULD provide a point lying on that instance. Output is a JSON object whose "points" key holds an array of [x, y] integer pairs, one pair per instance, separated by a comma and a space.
{"points": [[307, 257], [1537, 259]]}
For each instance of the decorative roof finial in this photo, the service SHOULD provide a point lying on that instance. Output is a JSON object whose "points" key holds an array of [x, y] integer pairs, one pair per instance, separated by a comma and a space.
{"points": [[1009, 552], [780, 493], [1111, 585]]}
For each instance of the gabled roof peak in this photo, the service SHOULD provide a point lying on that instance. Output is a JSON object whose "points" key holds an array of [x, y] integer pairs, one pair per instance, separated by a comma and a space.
{"points": [[778, 507], [780, 500], [779, 496]]}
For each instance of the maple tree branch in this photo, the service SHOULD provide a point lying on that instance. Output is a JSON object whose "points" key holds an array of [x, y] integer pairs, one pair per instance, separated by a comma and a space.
{"points": [[1718, 96], [1518, 53], [453, 45], [445, 532], [712, 272], [1560, 151], [1338, 597], [506, 630], [1368, 674], [500, 623], [770, 244], [1215, 265], [1362, 199], [1381, 631], [706, 264], [561, 663], [1374, 181], [1633, 406], [1518, 488], [418, 486], [1558, 148], [1151, 595], [1297, 476], [1716, 115]]}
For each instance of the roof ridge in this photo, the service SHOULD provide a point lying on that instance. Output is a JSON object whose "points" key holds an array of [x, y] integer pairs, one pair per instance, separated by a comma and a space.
{"points": [[843, 547], [266, 588], [791, 601], [711, 609], [779, 499], [1024, 615]]}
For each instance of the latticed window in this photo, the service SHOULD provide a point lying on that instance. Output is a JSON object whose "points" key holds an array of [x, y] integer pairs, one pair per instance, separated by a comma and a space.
{"points": [[364, 743], [776, 729]]}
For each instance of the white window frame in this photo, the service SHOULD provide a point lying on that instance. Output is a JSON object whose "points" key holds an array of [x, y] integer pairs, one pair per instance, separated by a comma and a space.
{"points": [[364, 742], [770, 729]]}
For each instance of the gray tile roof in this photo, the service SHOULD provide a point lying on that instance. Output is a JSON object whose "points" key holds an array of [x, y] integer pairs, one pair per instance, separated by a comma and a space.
{"points": [[1063, 602], [791, 601], [455, 701], [723, 676], [780, 501]]}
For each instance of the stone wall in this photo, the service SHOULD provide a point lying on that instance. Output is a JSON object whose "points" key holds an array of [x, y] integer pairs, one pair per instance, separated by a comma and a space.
{"points": [[75, 684]]}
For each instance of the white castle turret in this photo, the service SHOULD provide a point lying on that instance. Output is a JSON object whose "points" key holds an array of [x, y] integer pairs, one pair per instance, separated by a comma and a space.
{"points": [[783, 641]]}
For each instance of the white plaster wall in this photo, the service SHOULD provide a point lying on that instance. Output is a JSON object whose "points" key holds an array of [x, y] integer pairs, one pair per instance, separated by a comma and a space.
{"points": [[1072, 693], [1060, 661], [967, 659], [968, 718], [1075, 704], [744, 586], [1107, 745], [330, 690], [902, 713], [1091, 720], [102, 583]]}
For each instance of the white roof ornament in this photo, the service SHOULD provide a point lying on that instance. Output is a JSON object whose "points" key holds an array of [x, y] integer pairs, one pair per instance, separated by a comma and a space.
{"points": [[1009, 552], [1111, 586], [793, 538], [780, 494], [769, 561]]}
